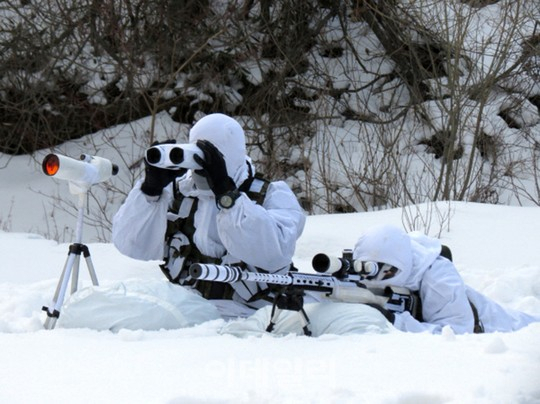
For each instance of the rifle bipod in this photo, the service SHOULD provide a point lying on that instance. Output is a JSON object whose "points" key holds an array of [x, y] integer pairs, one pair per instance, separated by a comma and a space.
{"points": [[293, 300]]}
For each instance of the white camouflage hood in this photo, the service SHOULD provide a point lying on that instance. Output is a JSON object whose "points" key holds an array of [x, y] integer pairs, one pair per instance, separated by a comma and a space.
{"points": [[228, 136], [411, 253]]}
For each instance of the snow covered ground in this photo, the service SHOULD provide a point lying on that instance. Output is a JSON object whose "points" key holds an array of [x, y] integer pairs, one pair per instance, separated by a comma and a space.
{"points": [[495, 249]]}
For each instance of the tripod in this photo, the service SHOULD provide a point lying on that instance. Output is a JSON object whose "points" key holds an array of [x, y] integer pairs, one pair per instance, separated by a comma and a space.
{"points": [[71, 267]]}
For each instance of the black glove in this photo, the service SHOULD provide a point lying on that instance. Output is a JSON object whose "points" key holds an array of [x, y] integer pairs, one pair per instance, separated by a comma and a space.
{"points": [[214, 169], [155, 178], [390, 316]]}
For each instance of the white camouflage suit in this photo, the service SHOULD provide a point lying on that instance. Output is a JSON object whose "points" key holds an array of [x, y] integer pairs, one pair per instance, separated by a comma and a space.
{"points": [[446, 300], [262, 236]]}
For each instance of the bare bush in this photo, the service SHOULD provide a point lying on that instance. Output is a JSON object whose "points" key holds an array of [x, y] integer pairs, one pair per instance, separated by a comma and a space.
{"points": [[448, 77], [359, 104]]}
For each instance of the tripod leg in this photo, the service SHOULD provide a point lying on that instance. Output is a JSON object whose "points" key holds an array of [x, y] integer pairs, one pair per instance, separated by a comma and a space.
{"points": [[75, 274], [90, 265], [53, 312], [51, 319], [57, 292]]}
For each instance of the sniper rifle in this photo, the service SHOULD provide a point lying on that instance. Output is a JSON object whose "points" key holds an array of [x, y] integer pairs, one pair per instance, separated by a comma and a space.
{"points": [[343, 285]]}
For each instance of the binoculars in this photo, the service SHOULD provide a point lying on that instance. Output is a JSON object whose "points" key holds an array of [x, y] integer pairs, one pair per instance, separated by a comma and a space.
{"points": [[88, 170], [174, 156]]}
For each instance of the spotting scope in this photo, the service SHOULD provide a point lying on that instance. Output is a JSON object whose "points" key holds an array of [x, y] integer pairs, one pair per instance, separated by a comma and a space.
{"points": [[88, 170]]}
